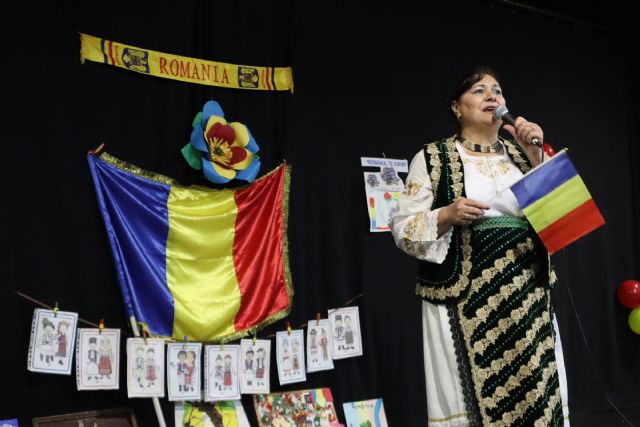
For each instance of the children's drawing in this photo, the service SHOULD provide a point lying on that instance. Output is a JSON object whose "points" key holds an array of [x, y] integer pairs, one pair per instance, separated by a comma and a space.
{"points": [[254, 366], [346, 336], [183, 371], [53, 336], [290, 356], [319, 352], [145, 367], [221, 372], [383, 189], [296, 408], [98, 359], [369, 413], [211, 414]]}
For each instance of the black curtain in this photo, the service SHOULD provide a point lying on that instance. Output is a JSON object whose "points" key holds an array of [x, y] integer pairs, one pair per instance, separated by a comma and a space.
{"points": [[371, 78]]}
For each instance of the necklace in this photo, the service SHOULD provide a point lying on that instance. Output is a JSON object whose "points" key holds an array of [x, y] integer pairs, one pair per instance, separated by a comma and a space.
{"points": [[496, 147]]}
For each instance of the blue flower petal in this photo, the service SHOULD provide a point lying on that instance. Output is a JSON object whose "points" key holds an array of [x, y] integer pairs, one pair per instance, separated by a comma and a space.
{"points": [[211, 108], [252, 145], [249, 174], [197, 140], [211, 174]]}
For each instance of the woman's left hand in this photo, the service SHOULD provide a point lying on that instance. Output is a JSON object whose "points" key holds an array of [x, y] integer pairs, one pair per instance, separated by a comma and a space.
{"points": [[524, 131]]}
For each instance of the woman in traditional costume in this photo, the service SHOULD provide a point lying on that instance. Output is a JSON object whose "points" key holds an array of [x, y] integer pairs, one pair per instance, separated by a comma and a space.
{"points": [[491, 350]]}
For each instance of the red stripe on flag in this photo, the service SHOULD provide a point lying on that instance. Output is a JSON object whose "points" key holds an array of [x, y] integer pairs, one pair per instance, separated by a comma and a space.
{"points": [[580, 221], [260, 236]]}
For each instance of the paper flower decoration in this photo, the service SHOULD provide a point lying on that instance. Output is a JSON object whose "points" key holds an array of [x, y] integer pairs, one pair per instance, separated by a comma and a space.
{"points": [[224, 151]]}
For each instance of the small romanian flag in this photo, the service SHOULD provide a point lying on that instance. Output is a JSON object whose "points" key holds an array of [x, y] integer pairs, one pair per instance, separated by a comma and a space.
{"points": [[196, 262], [557, 203]]}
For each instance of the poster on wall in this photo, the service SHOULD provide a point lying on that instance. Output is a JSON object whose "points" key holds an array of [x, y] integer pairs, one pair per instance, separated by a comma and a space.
{"points": [[319, 351], [98, 359], [221, 372], [225, 413], [365, 413], [183, 371], [53, 337], [346, 336], [290, 356], [254, 366], [145, 367], [382, 189]]}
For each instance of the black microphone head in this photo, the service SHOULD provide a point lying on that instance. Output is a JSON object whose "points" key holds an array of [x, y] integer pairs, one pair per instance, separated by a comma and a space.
{"points": [[502, 113]]}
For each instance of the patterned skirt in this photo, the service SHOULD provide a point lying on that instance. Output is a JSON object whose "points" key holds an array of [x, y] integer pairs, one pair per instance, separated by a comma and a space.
{"points": [[498, 342]]}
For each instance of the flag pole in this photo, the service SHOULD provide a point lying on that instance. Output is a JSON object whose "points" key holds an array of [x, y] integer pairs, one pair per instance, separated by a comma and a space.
{"points": [[156, 401]]}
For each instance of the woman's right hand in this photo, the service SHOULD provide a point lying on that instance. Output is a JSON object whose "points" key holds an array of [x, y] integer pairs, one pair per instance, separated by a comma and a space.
{"points": [[461, 212]]}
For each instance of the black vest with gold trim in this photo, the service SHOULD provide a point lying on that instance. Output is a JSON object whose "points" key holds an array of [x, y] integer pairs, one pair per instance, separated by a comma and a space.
{"points": [[448, 282]]}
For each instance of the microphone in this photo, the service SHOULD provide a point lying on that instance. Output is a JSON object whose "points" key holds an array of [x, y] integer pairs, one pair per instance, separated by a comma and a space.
{"points": [[503, 114]]}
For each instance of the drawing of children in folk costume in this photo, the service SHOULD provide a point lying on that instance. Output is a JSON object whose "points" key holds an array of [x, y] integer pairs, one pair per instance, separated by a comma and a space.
{"points": [[324, 342], [47, 341], [92, 359], [138, 366], [260, 366], [295, 356], [150, 367], [249, 372], [180, 366], [189, 370], [286, 358], [61, 341], [228, 373], [105, 356], [348, 333], [218, 374], [339, 331], [313, 345]]}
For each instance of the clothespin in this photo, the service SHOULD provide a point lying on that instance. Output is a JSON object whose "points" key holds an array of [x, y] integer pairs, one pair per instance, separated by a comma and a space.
{"points": [[317, 318], [384, 155], [221, 345], [143, 333], [288, 328], [184, 343], [55, 310], [100, 326], [255, 337]]}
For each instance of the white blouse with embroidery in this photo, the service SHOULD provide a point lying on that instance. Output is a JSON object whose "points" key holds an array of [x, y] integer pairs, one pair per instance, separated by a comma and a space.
{"points": [[487, 179]]}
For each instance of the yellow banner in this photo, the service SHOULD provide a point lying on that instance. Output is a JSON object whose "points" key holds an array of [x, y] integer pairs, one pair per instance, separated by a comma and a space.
{"points": [[183, 68]]}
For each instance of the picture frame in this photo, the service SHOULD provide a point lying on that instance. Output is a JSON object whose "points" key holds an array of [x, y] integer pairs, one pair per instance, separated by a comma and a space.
{"points": [[116, 417]]}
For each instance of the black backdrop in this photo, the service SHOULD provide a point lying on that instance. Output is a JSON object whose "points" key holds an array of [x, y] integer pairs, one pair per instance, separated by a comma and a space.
{"points": [[370, 78]]}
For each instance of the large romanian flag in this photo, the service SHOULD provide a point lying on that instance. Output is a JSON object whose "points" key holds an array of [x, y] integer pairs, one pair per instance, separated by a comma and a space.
{"points": [[206, 264], [556, 202]]}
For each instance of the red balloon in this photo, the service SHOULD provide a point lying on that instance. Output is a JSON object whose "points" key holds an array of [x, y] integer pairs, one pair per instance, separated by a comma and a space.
{"points": [[629, 294]]}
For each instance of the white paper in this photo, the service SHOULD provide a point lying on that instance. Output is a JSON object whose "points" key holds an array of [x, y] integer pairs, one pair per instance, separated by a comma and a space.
{"points": [[145, 367], [346, 336], [221, 370], [254, 366], [53, 337], [183, 371], [98, 359], [290, 356], [319, 351]]}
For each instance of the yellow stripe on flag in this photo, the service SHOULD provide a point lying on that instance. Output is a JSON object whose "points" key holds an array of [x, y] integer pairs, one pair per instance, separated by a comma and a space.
{"points": [[550, 208], [200, 269]]}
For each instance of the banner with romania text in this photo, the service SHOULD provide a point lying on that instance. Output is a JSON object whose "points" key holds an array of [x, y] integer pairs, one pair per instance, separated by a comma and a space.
{"points": [[192, 261], [183, 68]]}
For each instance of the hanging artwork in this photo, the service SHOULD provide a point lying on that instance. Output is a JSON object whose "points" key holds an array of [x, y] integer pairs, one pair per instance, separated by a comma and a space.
{"points": [[254, 366], [296, 408], [383, 190], [221, 372], [53, 336], [98, 359], [183, 371], [290, 356], [211, 414], [346, 336], [319, 351], [368, 413], [145, 367]]}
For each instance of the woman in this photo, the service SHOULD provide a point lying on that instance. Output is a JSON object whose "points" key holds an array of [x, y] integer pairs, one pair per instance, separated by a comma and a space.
{"points": [[485, 278]]}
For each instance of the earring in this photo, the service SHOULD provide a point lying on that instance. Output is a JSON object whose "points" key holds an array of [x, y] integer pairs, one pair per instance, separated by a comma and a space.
{"points": [[459, 116]]}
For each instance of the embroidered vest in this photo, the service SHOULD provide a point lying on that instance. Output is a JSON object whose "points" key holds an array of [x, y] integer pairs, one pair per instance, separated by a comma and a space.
{"points": [[448, 282]]}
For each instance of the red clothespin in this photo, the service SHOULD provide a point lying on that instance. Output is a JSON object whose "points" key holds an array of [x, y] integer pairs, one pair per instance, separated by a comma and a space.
{"points": [[318, 319], [288, 328], [55, 310], [100, 326], [184, 343]]}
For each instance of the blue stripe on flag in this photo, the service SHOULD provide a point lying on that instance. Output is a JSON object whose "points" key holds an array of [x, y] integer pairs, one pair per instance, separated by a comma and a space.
{"points": [[543, 180], [135, 214]]}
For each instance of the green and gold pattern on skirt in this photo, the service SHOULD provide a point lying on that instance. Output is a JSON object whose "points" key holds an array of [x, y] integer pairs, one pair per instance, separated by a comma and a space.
{"points": [[507, 328]]}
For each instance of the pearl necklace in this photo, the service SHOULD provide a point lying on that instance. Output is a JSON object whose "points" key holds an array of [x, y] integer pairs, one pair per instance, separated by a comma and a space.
{"points": [[496, 147]]}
